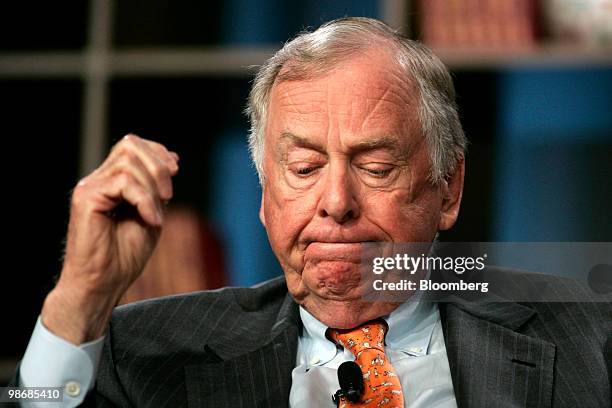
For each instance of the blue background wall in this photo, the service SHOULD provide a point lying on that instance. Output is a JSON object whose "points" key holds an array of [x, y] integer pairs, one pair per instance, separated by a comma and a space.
{"points": [[554, 155]]}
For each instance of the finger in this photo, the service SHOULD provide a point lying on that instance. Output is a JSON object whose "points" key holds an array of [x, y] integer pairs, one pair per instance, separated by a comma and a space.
{"points": [[159, 170], [157, 149], [172, 158], [129, 162], [125, 187], [157, 156], [104, 195]]}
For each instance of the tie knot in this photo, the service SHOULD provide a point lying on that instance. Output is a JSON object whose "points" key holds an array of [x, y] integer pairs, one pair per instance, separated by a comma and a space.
{"points": [[370, 335]]}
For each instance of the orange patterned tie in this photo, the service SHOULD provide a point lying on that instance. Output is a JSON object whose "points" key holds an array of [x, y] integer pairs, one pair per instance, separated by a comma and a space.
{"points": [[367, 343]]}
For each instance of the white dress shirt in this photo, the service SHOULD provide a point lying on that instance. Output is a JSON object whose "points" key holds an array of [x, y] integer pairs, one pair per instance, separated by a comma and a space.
{"points": [[414, 345], [50, 361]]}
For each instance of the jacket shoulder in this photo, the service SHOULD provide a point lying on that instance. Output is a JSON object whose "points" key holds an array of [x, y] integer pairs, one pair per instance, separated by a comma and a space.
{"points": [[171, 321], [150, 343], [562, 304]]}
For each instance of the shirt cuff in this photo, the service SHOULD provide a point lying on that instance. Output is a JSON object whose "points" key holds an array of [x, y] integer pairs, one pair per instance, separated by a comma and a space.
{"points": [[50, 361]]}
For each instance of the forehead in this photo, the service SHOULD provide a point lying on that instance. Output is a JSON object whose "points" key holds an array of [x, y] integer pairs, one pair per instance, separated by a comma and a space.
{"points": [[366, 93]]}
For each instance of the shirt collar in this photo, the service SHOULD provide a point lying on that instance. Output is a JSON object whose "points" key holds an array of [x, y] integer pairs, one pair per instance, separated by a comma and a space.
{"points": [[411, 326], [316, 348]]}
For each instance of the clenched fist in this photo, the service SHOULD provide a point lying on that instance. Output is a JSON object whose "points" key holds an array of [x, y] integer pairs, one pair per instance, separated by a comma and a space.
{"points": [[116, 217]]}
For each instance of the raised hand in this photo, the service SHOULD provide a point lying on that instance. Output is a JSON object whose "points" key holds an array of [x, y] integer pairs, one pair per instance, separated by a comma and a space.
{"points": [[116, 217]]}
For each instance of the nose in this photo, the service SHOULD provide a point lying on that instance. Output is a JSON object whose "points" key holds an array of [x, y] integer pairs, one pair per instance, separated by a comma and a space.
{"points": [[339, 200]]}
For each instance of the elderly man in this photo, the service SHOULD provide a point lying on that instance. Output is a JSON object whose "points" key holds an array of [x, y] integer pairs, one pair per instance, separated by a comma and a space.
{"points": [[356, 139]]}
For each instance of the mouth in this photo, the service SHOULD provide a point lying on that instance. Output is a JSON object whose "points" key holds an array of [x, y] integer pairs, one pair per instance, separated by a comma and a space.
{"points": [[334, 251], [336, 241]]}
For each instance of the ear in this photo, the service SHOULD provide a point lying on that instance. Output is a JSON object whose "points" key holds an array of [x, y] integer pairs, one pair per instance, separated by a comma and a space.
{"points": [[262, 215], [452, 190]]}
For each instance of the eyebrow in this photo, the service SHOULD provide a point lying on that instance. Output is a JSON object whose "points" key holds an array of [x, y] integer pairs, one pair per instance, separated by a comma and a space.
{"points": [[384, 142], [299, 141]]}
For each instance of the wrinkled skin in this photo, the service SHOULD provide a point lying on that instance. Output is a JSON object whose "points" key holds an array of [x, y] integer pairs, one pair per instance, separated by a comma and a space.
{"points": [[345, 162]]}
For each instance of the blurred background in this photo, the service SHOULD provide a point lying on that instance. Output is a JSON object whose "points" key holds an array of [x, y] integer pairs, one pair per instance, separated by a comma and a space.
{"points": [[534, 84]]}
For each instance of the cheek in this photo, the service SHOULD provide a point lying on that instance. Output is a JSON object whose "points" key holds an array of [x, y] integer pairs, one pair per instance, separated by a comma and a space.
{"points": [[403, 216], [287, 214]]}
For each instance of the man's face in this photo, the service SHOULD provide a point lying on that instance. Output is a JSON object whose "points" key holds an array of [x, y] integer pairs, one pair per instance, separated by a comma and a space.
{"points": [[345, 162]]}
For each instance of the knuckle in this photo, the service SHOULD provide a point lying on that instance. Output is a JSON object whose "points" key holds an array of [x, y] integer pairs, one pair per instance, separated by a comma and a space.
{"points": [[123, 164], [81, 192], [126, 151], [126, 163], [117, 150], [82, 183], [127, 141], [124, 178], [127, 144], [131, 137], [78, 195]]}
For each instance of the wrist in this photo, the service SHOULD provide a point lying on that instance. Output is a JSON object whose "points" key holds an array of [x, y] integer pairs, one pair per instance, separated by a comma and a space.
{"points": [[77, 315]]}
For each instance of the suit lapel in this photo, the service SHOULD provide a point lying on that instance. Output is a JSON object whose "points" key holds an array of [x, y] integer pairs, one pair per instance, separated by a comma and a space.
{"points": [[491, 363], [260, 377]]}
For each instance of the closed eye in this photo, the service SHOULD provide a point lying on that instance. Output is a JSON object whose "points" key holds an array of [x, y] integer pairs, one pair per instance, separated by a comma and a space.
{"points": [[379, 172], [304, 171]]}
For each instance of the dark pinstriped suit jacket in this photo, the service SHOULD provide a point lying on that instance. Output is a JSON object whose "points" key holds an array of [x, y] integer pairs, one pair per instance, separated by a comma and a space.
{"points": [[236, 347]]}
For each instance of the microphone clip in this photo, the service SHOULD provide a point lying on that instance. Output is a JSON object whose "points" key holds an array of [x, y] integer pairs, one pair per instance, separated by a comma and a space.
{"points": [[351, 395], [351, 383], [337, 397]]}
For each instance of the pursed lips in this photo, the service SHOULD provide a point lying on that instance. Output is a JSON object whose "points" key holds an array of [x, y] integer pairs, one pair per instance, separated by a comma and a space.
{"points": [[347, 251], [335, 238]]}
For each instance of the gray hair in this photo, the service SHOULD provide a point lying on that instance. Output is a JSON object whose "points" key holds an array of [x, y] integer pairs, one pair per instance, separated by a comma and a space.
{"points": [[315, 53]]}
